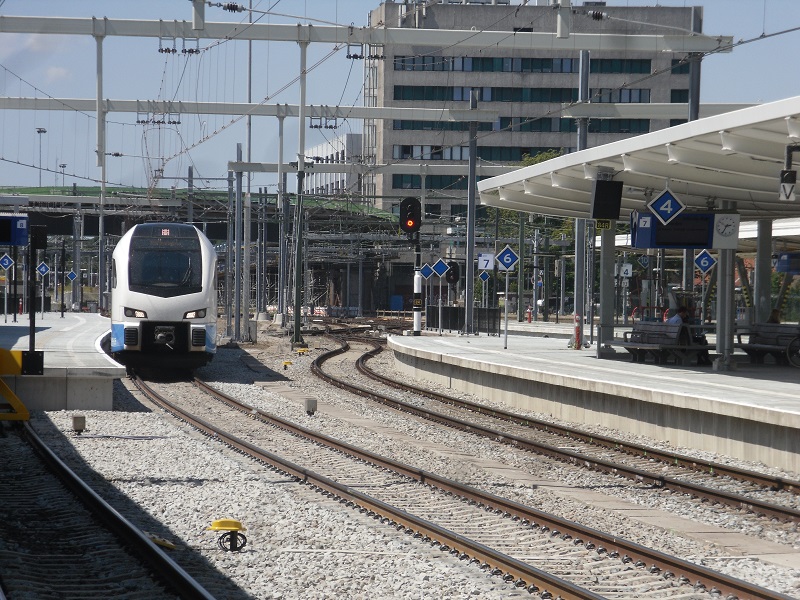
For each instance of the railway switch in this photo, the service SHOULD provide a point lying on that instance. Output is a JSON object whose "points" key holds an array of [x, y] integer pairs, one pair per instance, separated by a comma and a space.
{"points": [[231, 539]]}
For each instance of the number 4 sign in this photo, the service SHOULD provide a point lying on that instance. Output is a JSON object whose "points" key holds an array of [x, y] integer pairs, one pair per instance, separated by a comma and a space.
{"points": [[666, 206]]}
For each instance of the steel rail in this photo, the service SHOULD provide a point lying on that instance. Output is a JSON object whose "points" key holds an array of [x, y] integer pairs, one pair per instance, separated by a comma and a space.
{"points": [[167, 571], [590, 538], [739, 501], [513, 570], [665, 456]]}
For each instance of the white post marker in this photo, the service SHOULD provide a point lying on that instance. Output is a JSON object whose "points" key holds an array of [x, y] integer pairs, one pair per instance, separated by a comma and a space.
{"points": [[440, 268], [6, 263], [417, 298], [43, 270], [506, 260]]}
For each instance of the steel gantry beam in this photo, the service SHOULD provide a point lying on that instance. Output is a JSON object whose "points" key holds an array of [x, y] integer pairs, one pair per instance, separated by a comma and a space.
{"points": [[249, 108], [375, 36], [361, 169]]}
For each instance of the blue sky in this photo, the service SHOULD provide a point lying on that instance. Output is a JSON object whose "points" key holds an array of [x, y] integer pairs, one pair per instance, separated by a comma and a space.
{"points": [[64, 66]]}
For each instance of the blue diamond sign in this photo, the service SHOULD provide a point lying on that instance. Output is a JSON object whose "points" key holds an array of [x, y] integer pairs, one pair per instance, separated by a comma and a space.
{"points": [[705, 262], [43, 269], [666, 206], [507, 259], [426, 271], [71, 276], [6, 262], [644, 261], [484, 276], [440, 268]]}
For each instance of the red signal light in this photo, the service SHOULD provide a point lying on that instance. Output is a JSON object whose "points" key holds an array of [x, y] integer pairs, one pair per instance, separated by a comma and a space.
{"points": [[410, 215]]}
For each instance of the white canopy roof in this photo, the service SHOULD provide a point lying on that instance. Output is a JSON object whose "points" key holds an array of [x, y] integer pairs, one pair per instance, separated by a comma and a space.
{"points": [[733, 156]]}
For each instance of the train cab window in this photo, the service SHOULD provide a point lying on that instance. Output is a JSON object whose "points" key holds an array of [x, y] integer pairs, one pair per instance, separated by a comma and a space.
{"points": [[113, 274], [165, 266]]}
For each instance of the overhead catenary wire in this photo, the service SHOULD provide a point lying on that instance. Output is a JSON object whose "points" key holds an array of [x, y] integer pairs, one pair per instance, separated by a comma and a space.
{"points": [[184, 148]]}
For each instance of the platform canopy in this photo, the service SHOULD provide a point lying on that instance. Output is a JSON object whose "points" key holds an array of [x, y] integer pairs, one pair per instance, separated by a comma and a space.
{"points": [[735, 156]]}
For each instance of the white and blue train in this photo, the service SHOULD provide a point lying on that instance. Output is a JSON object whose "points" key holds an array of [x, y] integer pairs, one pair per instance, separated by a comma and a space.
{"points": [[164, 297]]}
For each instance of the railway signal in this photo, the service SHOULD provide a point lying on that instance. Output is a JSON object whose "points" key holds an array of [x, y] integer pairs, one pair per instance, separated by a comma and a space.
{"points": [[453, 273], [410, 215]]}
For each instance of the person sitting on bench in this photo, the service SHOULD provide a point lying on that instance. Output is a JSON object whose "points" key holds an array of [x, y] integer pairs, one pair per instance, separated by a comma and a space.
{"points": [[681, 317]]}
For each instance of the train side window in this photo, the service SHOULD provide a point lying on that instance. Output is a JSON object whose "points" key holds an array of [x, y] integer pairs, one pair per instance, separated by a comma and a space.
{"points": [[113, 273]]}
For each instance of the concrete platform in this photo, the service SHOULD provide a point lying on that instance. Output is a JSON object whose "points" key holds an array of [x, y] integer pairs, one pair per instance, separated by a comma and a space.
{"points": [[77, 373], [751, 413]]}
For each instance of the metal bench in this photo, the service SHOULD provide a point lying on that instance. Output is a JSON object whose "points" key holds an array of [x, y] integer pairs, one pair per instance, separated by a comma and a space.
{"points": [[662, 341], [781, 341]]}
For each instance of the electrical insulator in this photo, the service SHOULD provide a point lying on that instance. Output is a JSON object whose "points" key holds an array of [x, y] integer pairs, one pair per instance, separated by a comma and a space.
{"points": [[597, 15], [233, 7]]}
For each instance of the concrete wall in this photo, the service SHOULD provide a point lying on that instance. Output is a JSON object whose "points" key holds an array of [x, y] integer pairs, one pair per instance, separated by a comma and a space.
{"points": [[681, 421], [65, 389]]}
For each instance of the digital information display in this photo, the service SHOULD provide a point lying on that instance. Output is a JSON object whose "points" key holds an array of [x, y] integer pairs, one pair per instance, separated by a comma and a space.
{"points": [[13, 230], [688, 230]]}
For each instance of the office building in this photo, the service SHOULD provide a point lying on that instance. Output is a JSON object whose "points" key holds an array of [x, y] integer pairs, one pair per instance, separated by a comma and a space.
{"points": [[526, 87]]}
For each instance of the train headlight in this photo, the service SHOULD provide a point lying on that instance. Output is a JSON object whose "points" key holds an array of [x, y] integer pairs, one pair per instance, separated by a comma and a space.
{"points": [[200, 313], [135, 313]]}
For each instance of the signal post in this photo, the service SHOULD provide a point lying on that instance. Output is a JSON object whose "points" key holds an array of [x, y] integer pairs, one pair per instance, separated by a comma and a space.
{"points": [[410, 222]]}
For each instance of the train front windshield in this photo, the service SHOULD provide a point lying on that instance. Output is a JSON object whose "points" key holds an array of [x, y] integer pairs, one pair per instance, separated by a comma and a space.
{"points": [[165, 266]]}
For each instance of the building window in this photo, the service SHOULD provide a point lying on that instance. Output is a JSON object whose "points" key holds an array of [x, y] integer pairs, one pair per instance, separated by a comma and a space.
{"points": [[492, 64], [627, 95], [408, 125], [405, 181], [619, 65], [673, 122], [680, 66], [679, 96], [496, 94], [509, 154], [402, 181], [619, 126], [458, 210], [433, 211]]}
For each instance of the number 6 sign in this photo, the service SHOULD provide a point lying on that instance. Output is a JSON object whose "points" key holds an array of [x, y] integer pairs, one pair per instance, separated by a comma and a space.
{"points": [[705, 262]]}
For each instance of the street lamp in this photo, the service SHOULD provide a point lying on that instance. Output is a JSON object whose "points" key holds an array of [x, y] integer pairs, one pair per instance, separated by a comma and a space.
{"points": [[40, 131], [62, 166]]}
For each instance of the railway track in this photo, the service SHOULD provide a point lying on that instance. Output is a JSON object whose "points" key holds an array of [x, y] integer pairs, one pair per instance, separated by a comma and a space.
{"points": [[765, 495], [60, 539], [502, 536]]}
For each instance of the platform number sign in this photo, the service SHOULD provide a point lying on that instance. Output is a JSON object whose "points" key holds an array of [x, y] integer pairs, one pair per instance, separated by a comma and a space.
{"points": [[705, 262], [43, 269], [485, 261], [6, 262], [644, 261], [507, 259], [666, 206], [788, 185], [440, 268], [626, 270]]}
